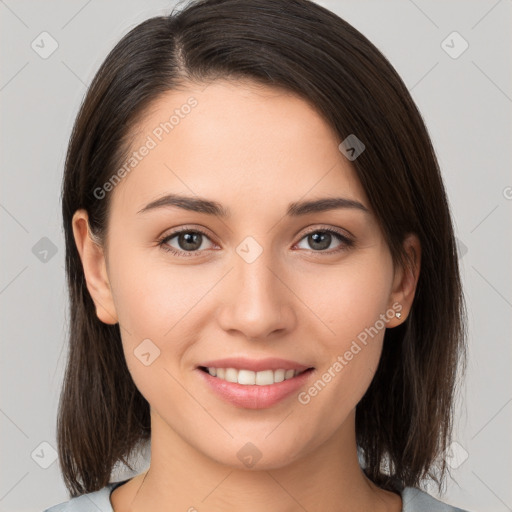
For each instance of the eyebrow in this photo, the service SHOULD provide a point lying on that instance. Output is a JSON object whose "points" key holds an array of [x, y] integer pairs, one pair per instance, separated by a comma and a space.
{"points": [[296, 209]]}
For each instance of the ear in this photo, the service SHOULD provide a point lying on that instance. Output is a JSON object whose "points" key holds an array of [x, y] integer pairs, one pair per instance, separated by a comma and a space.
{"points": [[95, 268], [405, 281]]}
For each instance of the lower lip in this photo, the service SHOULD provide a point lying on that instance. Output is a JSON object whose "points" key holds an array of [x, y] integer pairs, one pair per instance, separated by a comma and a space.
{"points": [[254, 396]]}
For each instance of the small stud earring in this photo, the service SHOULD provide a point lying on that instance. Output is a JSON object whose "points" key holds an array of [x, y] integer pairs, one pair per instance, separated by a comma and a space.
{"points": [[398, 315]]}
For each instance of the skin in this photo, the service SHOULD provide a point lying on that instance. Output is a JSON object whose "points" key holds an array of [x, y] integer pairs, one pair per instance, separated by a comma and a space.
{"points": [[254, 149]]}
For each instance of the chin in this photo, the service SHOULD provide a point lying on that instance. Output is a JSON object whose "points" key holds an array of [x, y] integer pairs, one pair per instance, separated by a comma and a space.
{"points": [[257, 454]]}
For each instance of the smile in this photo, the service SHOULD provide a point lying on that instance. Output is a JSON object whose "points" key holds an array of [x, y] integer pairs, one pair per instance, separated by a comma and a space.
{"points": [[251, 378], [250, 389]]}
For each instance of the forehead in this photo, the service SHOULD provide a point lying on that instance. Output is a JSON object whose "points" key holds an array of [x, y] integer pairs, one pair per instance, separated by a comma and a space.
{"points": [[235, 142]]}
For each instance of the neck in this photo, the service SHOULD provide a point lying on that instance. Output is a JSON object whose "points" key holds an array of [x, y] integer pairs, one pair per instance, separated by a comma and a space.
{"points": [[182, 478]]}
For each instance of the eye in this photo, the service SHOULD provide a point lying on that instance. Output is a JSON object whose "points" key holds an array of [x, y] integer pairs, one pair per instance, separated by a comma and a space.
{"points": [[320, 239], [188, 240]]}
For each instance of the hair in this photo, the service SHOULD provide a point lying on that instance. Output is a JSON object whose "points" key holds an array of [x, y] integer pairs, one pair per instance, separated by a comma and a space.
{"points": [[404, 420]]}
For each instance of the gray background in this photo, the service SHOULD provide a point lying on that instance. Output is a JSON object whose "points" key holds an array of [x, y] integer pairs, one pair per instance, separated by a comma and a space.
{"points": [[466, 103]]}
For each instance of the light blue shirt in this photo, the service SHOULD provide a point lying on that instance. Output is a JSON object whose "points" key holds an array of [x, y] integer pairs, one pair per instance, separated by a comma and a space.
{"points": [[413, 500]]}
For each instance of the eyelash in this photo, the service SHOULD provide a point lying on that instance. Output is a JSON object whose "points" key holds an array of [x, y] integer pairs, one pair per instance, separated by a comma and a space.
{"points": [[347, 243]]}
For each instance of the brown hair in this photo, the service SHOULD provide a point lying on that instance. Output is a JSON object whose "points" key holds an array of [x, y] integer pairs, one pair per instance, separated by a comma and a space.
{"points": [[405, 418]]}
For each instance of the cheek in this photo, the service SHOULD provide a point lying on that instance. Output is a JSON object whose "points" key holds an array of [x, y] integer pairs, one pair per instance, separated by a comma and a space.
{"points": [[160, 307], [152, 302], [350, 299], [355, 308], [151, 297]]}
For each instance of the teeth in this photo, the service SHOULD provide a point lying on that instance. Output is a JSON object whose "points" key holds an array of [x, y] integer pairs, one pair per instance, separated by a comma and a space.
{"points": [[279, 375], [248, 377], [231, 375]]}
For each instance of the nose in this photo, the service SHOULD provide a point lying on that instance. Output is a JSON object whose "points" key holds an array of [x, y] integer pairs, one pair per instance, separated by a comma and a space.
{"points": [[259, 303]]}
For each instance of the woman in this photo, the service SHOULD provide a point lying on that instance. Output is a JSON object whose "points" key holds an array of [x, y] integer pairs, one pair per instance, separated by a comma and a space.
{"points": [[262, 272]]}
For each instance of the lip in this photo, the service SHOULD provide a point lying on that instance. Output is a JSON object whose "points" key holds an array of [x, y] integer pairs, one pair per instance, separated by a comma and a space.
{"points": [[254, 396], [255, 365]]}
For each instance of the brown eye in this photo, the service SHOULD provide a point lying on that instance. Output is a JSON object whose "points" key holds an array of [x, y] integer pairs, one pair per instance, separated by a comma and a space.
{"points": [[321, 239], [188, 241]]}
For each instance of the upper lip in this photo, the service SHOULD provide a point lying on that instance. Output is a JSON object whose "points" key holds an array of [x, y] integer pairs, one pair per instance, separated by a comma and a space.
{"points": [[256, 365]]}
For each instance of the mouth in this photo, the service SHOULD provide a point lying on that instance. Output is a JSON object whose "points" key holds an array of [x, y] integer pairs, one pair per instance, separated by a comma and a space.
{"points": [[254, 389], [253, 378]]}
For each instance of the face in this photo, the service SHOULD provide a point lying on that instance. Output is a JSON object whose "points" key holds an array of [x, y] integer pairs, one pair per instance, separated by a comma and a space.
{"points": [[314, 287]]}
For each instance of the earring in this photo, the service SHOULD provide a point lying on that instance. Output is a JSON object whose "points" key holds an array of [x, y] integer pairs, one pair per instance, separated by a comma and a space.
{"points": [[398, 315]]}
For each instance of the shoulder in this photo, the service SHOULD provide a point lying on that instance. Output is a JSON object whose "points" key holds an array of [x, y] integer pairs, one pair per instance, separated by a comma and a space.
{"points": [[413, 500], [97, 501], [416, 500]]}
